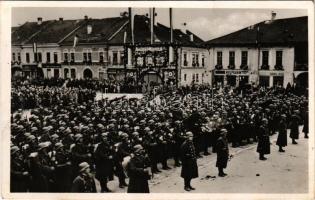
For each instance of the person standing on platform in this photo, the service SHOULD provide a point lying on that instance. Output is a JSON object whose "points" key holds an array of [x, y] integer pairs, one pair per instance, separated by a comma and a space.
{"points": [[222, 152], [189, 161], [282, 136]]}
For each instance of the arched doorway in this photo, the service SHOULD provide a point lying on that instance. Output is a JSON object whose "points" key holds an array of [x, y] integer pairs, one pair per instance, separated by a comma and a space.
{"points": [[302, 80], [149, 80], [87, 74]]}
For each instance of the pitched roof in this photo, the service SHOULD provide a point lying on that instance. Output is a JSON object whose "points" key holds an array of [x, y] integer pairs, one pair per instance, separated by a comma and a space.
{"points": [[286, 31]]}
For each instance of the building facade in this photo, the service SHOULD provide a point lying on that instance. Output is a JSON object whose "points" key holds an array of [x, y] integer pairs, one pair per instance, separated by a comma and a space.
{"points": [[270, 53]]}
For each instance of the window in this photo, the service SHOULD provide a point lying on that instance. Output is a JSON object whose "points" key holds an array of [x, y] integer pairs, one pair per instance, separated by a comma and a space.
{"points": [[55, 57], [39, 57], [185, 77], [193, 78], [203, 60], [19, 57], [66, 73], [185, 59], [72, 72], [13, 56], [122, 58], [48, 57], [27, 57], [101, 57], [84, 57], [65, 57], [35, 57], [265, 58], [49, 73], [219, 58], [195, 59], [231, 60], [278, 60], [197, 78], [115, 58], [72, 57], [244, 59], [264, 81], [89, 57]]}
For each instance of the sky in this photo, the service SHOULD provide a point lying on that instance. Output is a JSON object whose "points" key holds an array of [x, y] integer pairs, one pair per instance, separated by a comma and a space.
{"points": [[207, 23]]}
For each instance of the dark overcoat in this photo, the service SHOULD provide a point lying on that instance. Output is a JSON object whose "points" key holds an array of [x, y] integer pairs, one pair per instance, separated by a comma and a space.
{"points": [[83, 184], [18, 181], [104, 164], [282, 136], [222, 152], [305, 127], [263, 140], [189, 160], [294, 126], [138, 178]]}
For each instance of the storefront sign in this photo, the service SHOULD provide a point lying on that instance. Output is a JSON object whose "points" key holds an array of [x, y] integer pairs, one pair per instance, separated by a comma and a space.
{"points": [[271, 73], [232, 72]]}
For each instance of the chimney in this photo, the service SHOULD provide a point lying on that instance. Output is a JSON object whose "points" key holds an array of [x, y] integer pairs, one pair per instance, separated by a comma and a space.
{"points": [[89, 29], [60, 19], [273, 15], [39, 20], [191, 37], [86, 17]]}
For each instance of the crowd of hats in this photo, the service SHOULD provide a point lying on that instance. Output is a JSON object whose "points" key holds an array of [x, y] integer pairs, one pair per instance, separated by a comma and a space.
{"points": [[60, 123]]}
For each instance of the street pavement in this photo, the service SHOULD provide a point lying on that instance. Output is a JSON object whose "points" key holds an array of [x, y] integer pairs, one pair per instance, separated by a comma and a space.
{"points": [[281, 173]]}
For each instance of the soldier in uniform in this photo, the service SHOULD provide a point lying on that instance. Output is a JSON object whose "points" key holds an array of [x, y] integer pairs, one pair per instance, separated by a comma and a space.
{"points": [[305, 126], [222, 152], [104, 162], [19, 174], [282, 136], [63, 169], [189, 162], [263, 146], [138, 170], [84, 182], [178, 138], [294, 126]]}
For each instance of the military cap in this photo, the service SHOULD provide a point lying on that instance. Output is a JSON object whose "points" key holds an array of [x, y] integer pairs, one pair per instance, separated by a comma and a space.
{"points": [[31, 137], [42, 145], [147, 129], [27, 134], [14, 149], [78, 136], [137, 148], [83, 166], [189, 133], [58, 145], [54, 136], [105, 134]]}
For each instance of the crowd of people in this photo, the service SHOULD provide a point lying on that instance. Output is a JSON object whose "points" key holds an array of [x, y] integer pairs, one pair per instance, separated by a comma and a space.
{"points": [[69, 141]]}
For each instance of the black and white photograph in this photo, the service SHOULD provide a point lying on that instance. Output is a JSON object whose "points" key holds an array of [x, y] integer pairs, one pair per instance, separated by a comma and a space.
{"points": [[129, 98]]}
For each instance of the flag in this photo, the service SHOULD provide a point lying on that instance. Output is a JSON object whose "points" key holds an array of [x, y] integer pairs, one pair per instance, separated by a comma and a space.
{"points": [[152, 17], [171, 25], [125, 37], [131, 21], [75, 41]]}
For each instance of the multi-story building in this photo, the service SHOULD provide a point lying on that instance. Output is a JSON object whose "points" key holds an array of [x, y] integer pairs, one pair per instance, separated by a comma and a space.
{"points": [[273, 52], [104, 49]]}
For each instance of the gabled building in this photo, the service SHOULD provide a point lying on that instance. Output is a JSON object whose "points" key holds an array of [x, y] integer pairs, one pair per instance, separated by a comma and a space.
{"points": [[103, 49], [269, 53]]}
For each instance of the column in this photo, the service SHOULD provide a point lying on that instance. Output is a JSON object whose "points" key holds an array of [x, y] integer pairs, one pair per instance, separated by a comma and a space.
{"points": [[270, 81], [129, 57], [171, 55]]}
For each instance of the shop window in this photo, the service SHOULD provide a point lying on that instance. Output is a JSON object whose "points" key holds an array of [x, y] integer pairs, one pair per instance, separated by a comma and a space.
{"points": [[193, 78], [264, 81], [278, 65], [84, 57], [278, 80], [66, 73], [27, 57], [56, 73], [265, 60], [89, 57], [48, 73], [197, 78]]}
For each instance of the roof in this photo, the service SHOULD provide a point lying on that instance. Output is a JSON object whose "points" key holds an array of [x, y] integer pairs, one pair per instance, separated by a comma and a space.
{"points": [[104, 31], [286, 31]]}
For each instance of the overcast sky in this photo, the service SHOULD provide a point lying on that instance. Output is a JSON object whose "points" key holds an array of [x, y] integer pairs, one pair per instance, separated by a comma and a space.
{"points": [[206, 23]]}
